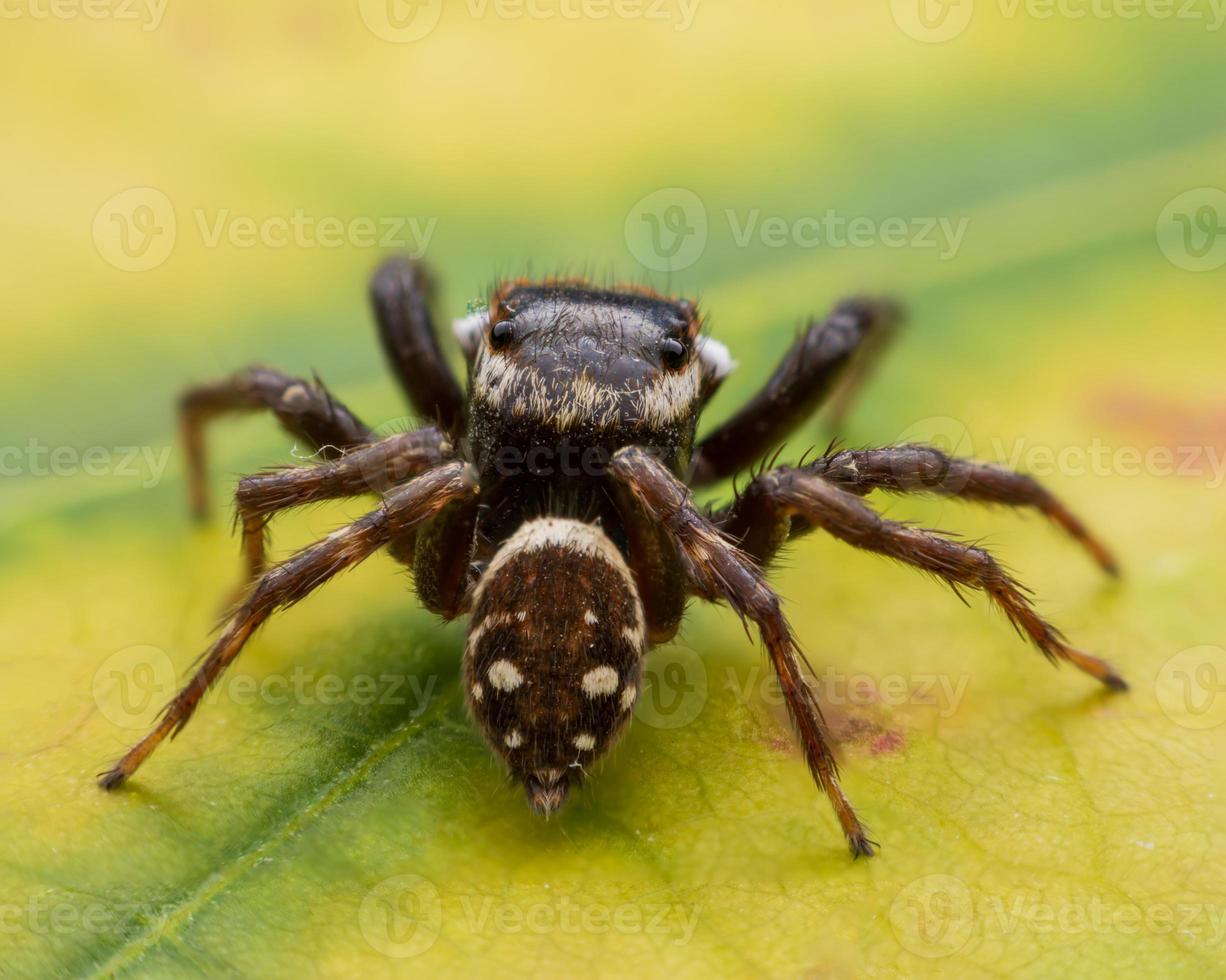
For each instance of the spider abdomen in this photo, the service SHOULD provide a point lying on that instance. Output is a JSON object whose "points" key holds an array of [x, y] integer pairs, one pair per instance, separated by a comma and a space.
{"points": [[554, 653]]}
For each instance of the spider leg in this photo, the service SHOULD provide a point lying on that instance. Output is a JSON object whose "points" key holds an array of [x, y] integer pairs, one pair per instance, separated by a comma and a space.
{"points": [[779, 501], [399, 293], [374, 468], [923, 469], [718, 570], [305, 409], [863, 364], [834, 351], [403, 509]]}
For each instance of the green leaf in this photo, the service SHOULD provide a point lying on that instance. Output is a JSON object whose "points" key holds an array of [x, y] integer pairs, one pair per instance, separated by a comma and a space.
{"points": [[331, 809]]}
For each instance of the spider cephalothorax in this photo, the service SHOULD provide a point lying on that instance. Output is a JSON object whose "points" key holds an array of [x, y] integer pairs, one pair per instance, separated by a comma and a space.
{"points": [[552, 503], [595, 364]]}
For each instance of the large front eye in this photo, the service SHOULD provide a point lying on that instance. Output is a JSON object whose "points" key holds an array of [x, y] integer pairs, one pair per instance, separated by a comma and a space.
{"points": [[673, 353], [500, 334]]}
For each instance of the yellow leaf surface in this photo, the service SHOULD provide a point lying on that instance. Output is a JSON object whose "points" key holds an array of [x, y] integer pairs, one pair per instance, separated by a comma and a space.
{"points": [[331, 809]]}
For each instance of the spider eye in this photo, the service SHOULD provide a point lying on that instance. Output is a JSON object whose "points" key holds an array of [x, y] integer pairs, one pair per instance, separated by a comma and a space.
{"points": [[673, 353], [500, 334]]}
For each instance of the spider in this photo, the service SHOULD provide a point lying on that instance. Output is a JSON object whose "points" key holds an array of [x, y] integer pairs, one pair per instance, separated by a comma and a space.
{"points": [[553, 504]]}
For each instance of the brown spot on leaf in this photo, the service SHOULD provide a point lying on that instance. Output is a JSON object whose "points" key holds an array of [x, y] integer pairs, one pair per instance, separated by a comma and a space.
{"points": [[853, 728], [782, 744], [891, 741], [1155, 420]]}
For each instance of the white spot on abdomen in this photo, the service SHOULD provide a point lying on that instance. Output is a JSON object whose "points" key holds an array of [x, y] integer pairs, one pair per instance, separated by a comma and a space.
{"points": [[585, 742], [504, 675], [599, 680]]}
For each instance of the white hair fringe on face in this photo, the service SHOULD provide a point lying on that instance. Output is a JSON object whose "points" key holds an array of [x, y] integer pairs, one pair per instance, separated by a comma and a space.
{"points": [[468, 329], [715, 356]]}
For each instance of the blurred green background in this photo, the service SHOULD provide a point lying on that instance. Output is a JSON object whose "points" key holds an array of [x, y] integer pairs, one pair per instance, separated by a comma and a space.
{"points": [[1041, 185]]}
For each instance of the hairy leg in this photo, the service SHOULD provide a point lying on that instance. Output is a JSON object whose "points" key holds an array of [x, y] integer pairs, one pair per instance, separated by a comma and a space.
{"points": [[819, 360], [399, 293], [923, 469], [777, 501], [402, 510], [304, 408], [374, 468], [909, 469], [864, 363], [718, 570]]}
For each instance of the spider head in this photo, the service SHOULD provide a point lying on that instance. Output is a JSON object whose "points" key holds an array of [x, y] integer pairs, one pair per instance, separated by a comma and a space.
{"points": [[567, 356]]}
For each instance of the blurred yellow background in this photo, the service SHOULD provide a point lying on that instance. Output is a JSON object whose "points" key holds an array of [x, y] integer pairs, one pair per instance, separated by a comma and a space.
{"points": [[188, 188]]}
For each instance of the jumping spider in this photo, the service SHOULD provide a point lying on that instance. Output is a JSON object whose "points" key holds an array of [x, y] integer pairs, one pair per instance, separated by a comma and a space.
{"points": [[571, 574]]}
